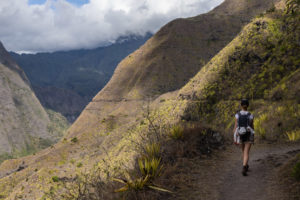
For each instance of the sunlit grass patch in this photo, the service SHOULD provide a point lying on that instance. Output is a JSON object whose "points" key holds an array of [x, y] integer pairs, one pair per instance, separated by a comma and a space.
{"points": [[293, 135], [258, 124], [176, 132], [153, 150]]}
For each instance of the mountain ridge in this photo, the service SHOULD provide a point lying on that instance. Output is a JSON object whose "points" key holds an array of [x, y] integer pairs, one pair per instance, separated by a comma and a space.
{"points": [[7, 60], [106, 132]]}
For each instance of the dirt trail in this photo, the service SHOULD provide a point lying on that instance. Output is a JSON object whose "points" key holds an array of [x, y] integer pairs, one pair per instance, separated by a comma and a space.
{"points": [[260, 184], [220, 177]]}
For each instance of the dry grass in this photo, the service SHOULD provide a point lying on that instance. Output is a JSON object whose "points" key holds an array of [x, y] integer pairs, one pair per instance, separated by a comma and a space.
{"points": [[179, 160], [176, 132]]}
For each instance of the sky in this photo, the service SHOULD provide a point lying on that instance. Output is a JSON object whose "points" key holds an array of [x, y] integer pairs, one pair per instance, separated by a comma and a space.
{"points": [[52, 25], [74, 2]]}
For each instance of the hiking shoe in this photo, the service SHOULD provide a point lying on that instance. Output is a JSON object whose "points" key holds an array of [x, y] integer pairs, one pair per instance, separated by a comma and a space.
{"points": [[247, 167], [244, 171]]}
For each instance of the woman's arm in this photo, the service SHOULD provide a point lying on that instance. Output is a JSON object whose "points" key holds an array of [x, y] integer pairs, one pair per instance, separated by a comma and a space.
{"points": [[235, 125]]}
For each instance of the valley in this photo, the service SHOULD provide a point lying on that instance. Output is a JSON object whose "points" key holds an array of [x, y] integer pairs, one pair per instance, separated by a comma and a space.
{"points": [[161, 128], [66, 81]]}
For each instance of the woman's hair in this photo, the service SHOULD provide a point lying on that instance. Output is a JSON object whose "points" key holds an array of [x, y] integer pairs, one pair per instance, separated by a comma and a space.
{"points": [[245, 103]]}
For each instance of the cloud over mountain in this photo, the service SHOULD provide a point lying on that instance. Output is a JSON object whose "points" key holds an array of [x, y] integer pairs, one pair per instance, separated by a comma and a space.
{"points": [[60, 25]]}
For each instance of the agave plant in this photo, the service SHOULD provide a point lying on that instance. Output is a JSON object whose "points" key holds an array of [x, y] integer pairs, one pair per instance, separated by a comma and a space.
{"points": [[138, 184], [150, 167], [152, 150], [293, 135]]}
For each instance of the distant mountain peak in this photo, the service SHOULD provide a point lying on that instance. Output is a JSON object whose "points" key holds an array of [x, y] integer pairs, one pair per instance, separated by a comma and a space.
{"points": [[130, 37], [6, 59]]}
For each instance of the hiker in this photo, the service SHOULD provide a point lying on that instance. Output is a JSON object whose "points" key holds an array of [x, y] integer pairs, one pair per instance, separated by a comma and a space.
{"points": [[244, 132]]}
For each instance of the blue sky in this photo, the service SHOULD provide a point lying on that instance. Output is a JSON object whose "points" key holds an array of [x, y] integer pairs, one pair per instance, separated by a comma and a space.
{"points": [[76, 2]]}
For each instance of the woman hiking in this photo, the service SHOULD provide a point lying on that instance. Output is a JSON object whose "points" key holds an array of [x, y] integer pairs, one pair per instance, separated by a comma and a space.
{"points": [[244, 132]]}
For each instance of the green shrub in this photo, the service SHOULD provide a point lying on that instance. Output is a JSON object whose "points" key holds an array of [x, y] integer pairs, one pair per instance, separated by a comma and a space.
{"points": [[138, 184], [74, 140], [176, 132], [55, 178], [258, 125], [152, 150], [296, 171], [293, 135], [150, 167], [79, 164], [72, 161]]}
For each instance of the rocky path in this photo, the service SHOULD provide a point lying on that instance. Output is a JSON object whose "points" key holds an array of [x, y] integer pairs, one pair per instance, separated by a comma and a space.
{"points": [[219, 177], [260, 182]]}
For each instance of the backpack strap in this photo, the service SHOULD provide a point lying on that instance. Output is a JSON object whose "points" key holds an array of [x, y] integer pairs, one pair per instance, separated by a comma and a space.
{"points": [[248, 118], [239, 114]]}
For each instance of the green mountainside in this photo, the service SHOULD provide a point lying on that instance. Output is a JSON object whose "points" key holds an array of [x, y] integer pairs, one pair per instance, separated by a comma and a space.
{"points": [[25, 126], [145, 137], [261, 64]]}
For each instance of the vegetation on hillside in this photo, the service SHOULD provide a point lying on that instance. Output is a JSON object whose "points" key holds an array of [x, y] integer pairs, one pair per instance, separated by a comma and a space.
{"points": [[164, 152], [55, 128], [261, 63]]}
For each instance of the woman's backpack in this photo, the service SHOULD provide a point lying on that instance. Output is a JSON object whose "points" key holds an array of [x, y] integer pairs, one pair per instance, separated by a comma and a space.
{"points": [[243, 123]]}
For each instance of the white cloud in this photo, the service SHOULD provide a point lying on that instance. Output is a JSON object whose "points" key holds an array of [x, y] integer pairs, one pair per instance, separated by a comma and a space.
{"points": [[59, 25]]}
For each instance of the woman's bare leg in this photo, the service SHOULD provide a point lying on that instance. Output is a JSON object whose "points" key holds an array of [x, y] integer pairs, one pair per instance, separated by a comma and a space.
{"points": [[246, 151], [243, 149]]}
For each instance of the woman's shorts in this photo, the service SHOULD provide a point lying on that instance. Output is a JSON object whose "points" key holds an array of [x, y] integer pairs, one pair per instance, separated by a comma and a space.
{"points": [[247, 138]]}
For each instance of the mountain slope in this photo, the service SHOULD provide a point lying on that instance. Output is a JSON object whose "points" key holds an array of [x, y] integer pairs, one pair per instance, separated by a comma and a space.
{"points": [[167, 61], [77, 75], [24, 124], [107, 131], [262, 64], [152, 70]]}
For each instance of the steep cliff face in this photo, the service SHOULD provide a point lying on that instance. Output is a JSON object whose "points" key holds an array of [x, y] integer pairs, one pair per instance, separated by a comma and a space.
{"points": [[24, 124]]}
